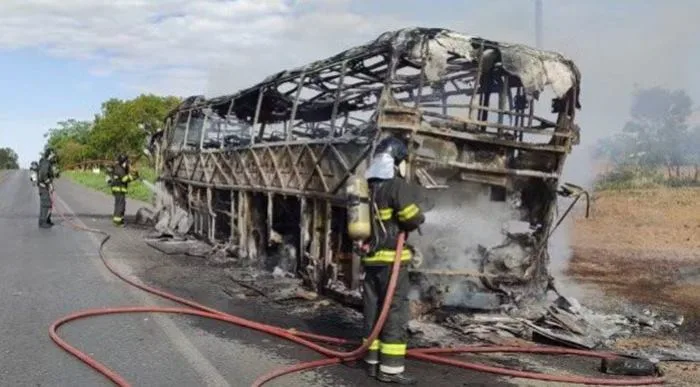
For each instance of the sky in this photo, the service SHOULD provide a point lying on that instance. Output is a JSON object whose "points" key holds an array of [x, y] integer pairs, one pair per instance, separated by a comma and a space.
{"points": [[62, 59]]}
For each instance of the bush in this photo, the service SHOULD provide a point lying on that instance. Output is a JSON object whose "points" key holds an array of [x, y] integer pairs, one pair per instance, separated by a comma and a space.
{"points": [[634, 177], [629, 178], [682, 182]]}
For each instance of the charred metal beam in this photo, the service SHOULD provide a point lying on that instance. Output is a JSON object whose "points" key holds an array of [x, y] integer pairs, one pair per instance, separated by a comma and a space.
{"points": [[477, 167], [304, 131]]}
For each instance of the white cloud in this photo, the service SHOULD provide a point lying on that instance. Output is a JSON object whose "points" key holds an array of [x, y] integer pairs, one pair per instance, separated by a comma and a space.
{"points": [[172, 45], [219, 46]]}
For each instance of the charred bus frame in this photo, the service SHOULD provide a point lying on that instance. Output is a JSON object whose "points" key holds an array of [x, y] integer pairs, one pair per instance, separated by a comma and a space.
{"points": [[266, 166]]}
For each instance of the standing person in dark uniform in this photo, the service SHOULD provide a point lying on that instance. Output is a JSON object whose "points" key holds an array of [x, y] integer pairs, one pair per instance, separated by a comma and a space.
{"points": [[46, 172], [119, 178], [395, 210]]}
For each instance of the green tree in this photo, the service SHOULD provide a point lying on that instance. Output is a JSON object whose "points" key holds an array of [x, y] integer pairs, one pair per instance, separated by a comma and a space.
{"points": [[70, 140], [118, 127], [618, 149], [657, 133], [659, 127], [693, 151], [8, 159]]}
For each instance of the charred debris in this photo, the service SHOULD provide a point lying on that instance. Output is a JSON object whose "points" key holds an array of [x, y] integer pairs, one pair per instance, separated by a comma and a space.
{"points": [[260, 174]]}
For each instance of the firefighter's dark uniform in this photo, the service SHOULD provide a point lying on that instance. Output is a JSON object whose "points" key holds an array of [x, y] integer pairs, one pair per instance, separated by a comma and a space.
{"points": [[119, 180], [397, 210], [45, 174]]}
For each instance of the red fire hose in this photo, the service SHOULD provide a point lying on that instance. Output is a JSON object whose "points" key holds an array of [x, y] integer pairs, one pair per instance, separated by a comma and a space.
{"points": [[303, 338]]}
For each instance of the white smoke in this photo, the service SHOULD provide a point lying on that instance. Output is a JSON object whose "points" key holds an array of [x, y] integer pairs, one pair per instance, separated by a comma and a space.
{"points": [[462, 220], [561, 251], [149, 186]]}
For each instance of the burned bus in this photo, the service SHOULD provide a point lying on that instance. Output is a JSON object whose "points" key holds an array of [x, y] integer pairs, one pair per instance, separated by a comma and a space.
{"points": [[263, 170]]}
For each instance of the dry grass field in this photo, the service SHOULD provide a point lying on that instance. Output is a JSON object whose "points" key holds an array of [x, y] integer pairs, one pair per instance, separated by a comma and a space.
{"points": [[643, 246]]}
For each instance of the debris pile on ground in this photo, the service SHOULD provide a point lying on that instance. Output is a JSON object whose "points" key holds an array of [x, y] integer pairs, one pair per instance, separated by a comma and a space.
{"points": [[181, 246], [659, 348], [277, 286], [428, 334], [166, 218], [565, 322], [684, 352]]}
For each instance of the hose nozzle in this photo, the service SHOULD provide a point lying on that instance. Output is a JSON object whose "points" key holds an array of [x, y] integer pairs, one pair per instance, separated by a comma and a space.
{"points": [[567, 189]]}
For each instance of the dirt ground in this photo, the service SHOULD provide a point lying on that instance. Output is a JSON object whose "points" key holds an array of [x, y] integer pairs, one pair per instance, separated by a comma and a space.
{"points": [[643, 247]]}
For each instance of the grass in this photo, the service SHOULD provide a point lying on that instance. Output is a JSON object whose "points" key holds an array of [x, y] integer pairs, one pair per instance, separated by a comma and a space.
{"points": [[649, 219], [96, 181], [631, 178], [636, 245]]}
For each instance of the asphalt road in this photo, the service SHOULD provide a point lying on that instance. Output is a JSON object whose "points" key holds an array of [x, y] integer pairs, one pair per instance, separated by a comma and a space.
{"points": [[47, 274]]}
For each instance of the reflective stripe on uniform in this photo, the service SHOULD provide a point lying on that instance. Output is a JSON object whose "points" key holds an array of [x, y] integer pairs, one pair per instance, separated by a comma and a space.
{"points": [[119, 189], [372, 355], [392, 357], [374, 346], [126, 178], [392, 349], [393, 370], [386, 213], [408, 212], [117, 219], [386, 256]]}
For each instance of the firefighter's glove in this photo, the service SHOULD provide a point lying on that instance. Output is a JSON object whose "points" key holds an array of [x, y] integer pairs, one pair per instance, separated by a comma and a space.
{"points": [[416, 258]]}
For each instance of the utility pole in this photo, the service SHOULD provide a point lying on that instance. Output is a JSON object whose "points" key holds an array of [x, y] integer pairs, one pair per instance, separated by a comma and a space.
{"points": [[538, 23]]}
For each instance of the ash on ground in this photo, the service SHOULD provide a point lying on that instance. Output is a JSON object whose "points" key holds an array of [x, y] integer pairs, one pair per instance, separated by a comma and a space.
{"points": [[564, 321]]}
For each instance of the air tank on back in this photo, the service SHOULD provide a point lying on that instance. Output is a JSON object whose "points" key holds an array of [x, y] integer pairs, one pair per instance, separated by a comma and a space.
{"points": [[359, 222]]}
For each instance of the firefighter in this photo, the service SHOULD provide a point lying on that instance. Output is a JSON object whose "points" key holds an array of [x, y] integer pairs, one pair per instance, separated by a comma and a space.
{"points": [[395, 209], [46, 172], [119, 177]]}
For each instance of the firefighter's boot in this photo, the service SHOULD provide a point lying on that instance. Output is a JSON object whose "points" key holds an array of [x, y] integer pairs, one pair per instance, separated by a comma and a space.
{"points": [[401, 378], [371, 370]]}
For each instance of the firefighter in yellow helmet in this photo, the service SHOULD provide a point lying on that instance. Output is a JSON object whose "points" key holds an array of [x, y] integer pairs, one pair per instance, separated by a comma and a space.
{"points": [[119, 177], [396, 210]]}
